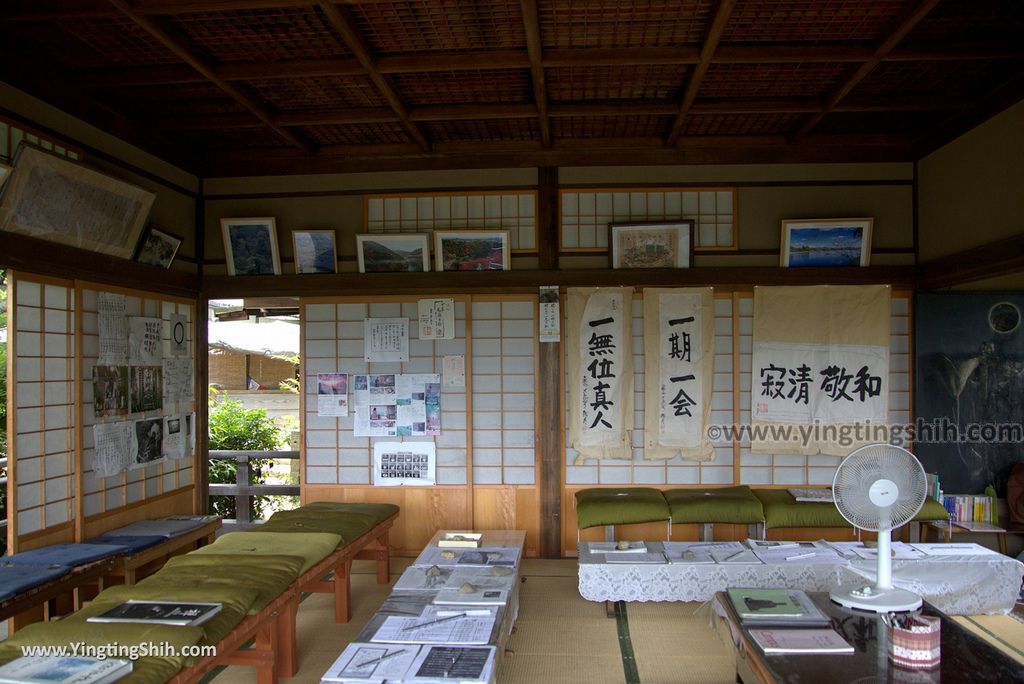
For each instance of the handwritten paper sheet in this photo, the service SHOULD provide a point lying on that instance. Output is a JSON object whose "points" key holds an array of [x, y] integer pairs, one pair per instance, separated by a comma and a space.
{"points": [[110, 453], [179, 334], [145, 341], [437, 319], [113, 329], [179, 384], [386, 339]]}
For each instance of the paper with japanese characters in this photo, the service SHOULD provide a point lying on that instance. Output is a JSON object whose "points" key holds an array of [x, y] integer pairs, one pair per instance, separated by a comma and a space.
{"points": [[437, 319], [111, 442], [391, 405], [454, 370], [679, 335], [174, 437], [113, 329], [550, 315], [600, 372], [820, 358], [386, 339], [179, 383], [145, 341]]}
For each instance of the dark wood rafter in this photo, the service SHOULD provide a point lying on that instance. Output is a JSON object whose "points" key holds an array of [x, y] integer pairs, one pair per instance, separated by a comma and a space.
{"points": [[991, 260], [179, 47], [707, 52], [534, 49], [341, 19], [919, 12]]}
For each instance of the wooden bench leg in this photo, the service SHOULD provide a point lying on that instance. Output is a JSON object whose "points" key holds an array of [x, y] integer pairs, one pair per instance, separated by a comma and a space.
{"points": [[705, 532], [284, 641], [268, 644], [915, 531], [609, 533], [342, 590], [384, 560]]}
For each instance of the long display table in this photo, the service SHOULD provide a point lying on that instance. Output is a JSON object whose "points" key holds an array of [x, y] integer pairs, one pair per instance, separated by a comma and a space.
{"points": [[956, 585]]}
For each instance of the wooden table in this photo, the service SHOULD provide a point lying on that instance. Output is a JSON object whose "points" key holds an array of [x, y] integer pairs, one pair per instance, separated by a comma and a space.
{"points": [[947, 530], [965, 657]]}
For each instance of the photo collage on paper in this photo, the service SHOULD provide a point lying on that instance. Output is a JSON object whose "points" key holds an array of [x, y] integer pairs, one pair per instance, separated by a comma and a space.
{"points": [[134, 381]]}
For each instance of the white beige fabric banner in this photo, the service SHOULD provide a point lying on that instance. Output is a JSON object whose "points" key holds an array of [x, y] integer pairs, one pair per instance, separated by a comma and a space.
{"points": [[821, 358], [679, 355], [600, 372]]}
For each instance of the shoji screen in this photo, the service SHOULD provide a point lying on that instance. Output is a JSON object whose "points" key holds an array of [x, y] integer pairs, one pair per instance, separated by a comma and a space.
{"points": [[105, 494], [42, 441]]}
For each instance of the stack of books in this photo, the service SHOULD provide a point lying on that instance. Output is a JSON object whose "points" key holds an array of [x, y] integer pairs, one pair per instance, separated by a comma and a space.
{"points": [[160, 613], [786, 621]]}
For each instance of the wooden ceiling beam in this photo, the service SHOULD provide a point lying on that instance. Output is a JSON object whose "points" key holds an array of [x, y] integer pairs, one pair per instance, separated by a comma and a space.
{"points": [[180, 48], [306, 68], [341, 19], [472, 112], [534, 49], [589, 57], [707, 52], [454, 61], [919, 12]]}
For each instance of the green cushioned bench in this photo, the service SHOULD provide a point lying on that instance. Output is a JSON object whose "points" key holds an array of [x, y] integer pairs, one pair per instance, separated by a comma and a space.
{"points": [[705, 507], [620, 506]]}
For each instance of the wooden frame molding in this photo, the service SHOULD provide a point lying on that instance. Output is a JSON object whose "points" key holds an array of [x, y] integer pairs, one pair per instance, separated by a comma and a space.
{"points": [[978, 263]]}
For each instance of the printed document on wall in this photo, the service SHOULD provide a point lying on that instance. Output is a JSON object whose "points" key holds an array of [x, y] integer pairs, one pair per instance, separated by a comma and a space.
{"points": [[386, 339]]}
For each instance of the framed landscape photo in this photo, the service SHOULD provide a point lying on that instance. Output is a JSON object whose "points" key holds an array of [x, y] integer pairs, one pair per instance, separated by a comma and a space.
{"points": [[314, 251], [664, 244], [158, 248], [826, 242], [471, 250], [250, 246], [395, 253], [51, 198]]}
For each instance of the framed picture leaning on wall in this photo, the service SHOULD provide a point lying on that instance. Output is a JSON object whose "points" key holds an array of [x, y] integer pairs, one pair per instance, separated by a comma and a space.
{"points": [[158, 247], [660, 244], [393, 253], [250, 246], [826, 242], [314, 251], [471, 250]]}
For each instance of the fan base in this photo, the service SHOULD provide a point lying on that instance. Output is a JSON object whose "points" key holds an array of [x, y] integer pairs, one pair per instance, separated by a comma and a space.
{"points": [[876, 600]]}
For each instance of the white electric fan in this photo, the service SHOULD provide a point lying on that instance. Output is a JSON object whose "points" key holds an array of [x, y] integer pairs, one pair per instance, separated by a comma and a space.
{"points": [[879, 487]]}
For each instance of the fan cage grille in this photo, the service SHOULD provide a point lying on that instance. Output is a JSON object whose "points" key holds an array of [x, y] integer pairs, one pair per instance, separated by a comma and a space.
{"points": [[867, 465]]}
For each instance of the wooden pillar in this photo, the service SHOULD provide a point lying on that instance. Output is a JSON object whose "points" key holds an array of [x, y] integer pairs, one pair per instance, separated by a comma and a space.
{"points": [[200, 333]]}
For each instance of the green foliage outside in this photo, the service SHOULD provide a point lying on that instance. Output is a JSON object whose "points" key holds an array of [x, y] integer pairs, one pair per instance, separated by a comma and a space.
{"points": [[235, 428]]}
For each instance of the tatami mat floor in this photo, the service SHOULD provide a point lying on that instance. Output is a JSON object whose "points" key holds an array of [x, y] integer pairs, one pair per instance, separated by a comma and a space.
{"points": [[562, 639]]}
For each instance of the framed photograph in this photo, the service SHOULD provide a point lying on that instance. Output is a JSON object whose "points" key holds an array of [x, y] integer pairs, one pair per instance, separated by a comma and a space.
{"points": [[158, 248], [314, 251], [250, 246], [651, 245], [826, 242], [471, 250], [395, 253], [51, 198]]}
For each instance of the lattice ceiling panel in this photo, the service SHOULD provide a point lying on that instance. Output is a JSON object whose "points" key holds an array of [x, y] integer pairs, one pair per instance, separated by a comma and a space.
{"points": [[815, 21], [357, 134], [460, 87], [742, 124], [644, 82], [261, 35], [646, 126], [988, 23], [326, 93], [413, 26], [879, 123], [623, 23], [87, 43], [776, 80], [242, 138], [482, 131], [176, 98]]}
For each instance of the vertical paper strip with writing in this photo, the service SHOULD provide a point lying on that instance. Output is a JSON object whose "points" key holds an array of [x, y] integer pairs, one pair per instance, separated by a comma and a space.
{"points": [[600, 372], [679, 334]]}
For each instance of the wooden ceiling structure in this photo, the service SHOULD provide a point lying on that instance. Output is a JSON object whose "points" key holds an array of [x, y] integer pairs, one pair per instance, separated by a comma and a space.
{"points": [[246, 87]]}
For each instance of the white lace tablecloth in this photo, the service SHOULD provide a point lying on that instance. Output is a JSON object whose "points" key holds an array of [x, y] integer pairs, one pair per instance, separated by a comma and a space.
{"points": [[956, 585]]}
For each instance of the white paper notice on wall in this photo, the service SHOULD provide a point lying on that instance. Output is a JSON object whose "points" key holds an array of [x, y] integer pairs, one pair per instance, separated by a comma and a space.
{"points": [[437, 319], [113, 329], [179, 334], [550, 316], [110, 452], [386, 339], [332, 394], [453, 371], [808, 383], [145, 341], [403, 463], [174, 437], [179, 384], [680, 358]]}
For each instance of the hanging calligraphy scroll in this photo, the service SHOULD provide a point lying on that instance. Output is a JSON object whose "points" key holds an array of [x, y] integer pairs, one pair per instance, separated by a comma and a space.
{"points": [[821, 359], [600, 372], [679, 354]]}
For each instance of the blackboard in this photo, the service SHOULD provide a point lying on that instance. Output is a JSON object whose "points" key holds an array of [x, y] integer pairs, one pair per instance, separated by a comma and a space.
{"points": [[969, 370]]}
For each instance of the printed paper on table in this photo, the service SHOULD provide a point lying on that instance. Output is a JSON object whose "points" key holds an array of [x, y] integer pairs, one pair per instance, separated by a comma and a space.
{"points": [[600, 372], [437, 319], [404, 463], [386, 339], [679, 338], [371, 663], [820, 357]]}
